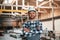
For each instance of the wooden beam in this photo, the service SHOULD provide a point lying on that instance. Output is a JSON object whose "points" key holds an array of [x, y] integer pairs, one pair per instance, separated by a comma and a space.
{"points": [[43, 3], [23, 11], [49, 19], [13, 1], [56, 0], [50, 3], [36, 3], [45, 10], [56, 4], [47, 7]]}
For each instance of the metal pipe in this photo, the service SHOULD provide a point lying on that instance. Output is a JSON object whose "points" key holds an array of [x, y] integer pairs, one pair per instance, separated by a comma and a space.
{"points": [[53, 22], [53, 16]]}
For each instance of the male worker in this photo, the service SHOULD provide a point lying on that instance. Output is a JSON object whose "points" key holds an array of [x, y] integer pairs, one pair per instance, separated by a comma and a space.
{"points": [[33, 27]]}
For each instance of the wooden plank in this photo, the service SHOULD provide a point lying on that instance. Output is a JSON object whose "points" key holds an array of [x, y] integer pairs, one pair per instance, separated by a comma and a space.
{"points": [[23, 11], [13, 1], [43, 3]]}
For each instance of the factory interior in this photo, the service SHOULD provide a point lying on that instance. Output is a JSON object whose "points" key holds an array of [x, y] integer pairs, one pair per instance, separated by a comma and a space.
{"points": [[13, 13]]}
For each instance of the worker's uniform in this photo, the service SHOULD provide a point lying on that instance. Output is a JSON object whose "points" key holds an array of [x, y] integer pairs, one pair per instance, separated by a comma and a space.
{"points": [[34, 33]]}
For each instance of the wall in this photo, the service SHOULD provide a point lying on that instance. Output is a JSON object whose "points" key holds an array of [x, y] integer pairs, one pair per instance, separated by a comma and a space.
{"points": [[57, 25], [48, 23]]}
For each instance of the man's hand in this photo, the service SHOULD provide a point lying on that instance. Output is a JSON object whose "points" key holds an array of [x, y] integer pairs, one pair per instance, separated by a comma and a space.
{"points": [[26, 30]]}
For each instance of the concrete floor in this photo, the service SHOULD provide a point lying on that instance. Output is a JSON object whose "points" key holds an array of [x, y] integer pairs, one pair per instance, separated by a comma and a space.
{"points": [[7, 37]]}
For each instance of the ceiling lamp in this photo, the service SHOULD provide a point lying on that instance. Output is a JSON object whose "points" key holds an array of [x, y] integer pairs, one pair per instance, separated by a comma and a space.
{"points": [[40, 0]]}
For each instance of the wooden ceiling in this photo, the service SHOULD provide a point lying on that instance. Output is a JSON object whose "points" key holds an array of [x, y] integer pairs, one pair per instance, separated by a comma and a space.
{"points": [[33, 2], [45, 3]]}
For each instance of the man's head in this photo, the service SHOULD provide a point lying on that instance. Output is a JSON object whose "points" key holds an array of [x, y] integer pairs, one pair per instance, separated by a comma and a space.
{"points": [[32, 14]]}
